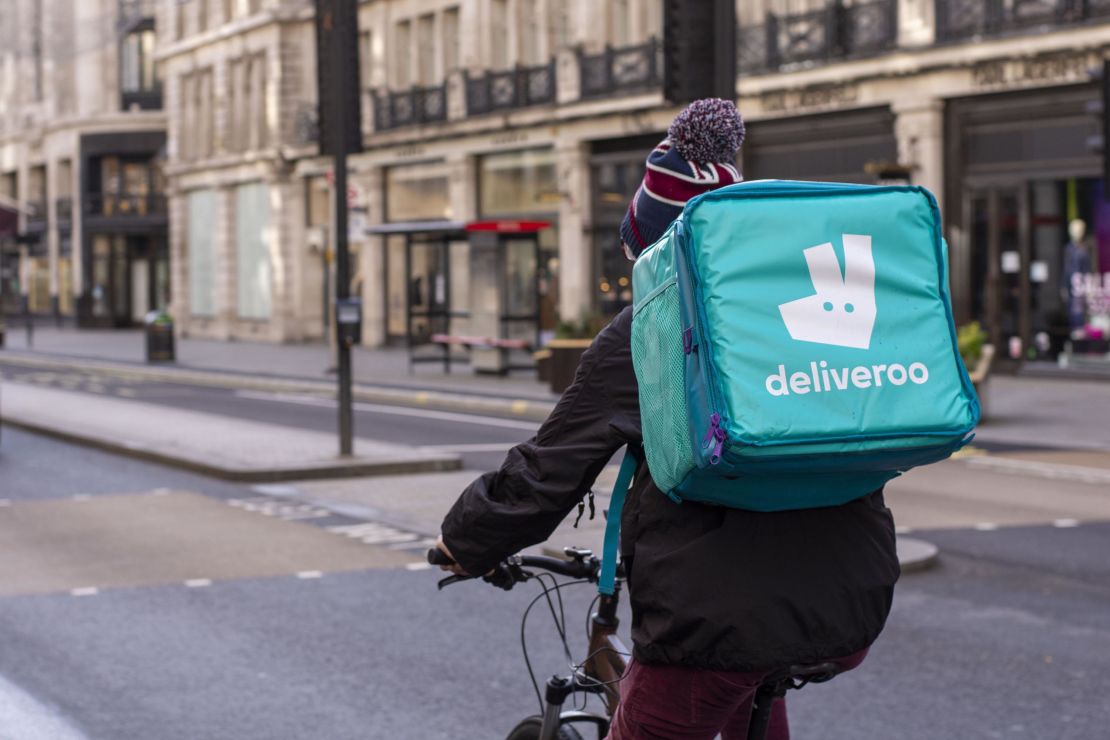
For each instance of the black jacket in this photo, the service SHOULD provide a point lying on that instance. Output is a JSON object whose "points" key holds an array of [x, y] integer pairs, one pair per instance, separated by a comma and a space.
{"points": [[710, 586]]}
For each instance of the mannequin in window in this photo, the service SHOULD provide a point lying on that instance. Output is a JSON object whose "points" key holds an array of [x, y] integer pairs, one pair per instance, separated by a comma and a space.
{"points": [[1077, 262]]}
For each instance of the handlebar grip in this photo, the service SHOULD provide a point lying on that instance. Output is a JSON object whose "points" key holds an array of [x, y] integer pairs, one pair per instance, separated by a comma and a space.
{"points": [[439, 557]]}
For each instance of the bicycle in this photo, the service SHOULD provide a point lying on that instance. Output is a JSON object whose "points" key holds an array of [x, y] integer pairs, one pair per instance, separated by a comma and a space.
{"points": [[605, 663]]}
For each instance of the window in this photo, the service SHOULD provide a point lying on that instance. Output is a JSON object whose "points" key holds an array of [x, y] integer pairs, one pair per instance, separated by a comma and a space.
{"points": [[620, 22], [426, 50], [499, 34], [367, 66], [451, 60], [517, 183], [402, 50], [137, 69], [203, 292], [559, 25], [252, 231], [531, 33], [417, 192]]}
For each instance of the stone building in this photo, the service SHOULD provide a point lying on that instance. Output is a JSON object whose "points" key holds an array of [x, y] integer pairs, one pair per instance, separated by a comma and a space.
{"points": [[545, 109], [82, 137]]}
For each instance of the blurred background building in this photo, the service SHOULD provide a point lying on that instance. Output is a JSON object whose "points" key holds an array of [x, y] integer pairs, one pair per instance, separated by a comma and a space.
{"points": [[82, 143], [526, 109]]}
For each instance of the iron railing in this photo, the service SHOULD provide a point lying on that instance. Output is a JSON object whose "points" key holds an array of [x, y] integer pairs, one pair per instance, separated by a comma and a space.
{"points": [[514, 88], [63, 210], [394, 109], [837, 31], [110, 205], [963, 19], [616, 71]]}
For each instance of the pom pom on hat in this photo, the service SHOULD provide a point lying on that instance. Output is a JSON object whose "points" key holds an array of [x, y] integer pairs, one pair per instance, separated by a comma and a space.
{"points": [[708, 130]]}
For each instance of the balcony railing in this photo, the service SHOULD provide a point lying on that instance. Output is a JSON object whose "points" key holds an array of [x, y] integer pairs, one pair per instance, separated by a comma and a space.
{"points": [[408, 107], [141, 99], [836, 31], [36, 214], [622, 70], [514, 88], [963, 19], [124, 206]]}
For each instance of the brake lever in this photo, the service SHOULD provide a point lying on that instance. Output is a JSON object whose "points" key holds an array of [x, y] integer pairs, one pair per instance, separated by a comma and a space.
{"points": [[451, 580]]}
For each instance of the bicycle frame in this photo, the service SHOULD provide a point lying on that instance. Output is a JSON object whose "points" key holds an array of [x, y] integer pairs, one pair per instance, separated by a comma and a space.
{"points": [[600, 674]]}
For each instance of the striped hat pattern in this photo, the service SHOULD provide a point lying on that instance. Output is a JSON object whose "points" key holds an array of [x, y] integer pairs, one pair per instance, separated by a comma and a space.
{"points": [[698, 155]]}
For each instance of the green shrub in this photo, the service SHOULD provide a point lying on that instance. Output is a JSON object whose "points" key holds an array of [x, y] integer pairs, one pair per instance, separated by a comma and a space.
{"points": [[970, 339], [587, 327]]}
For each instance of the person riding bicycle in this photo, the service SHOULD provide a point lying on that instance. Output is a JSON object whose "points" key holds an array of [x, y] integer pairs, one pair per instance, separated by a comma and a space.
{"points": [[720, 596]]}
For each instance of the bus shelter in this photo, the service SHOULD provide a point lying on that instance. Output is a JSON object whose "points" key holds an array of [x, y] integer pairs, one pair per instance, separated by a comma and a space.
{"points": [[472, 292]]}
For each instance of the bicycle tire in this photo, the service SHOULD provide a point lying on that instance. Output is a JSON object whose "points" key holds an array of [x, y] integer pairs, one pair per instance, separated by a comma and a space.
{"points": [[529, 729]]}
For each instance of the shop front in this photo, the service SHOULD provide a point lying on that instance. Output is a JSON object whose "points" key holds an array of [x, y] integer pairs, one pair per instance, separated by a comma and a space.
{"points": [[1030, 224], [124, 229]]}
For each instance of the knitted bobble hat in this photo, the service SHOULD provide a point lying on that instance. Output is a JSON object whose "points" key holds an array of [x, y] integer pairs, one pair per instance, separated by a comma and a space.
{"points": [[698, 155]]}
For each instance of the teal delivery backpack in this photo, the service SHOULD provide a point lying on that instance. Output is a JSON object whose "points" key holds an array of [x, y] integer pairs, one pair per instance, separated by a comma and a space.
{"points": [[795, 347]]}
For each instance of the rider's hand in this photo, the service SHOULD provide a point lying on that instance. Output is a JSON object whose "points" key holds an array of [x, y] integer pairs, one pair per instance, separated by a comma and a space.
{"points": [[454, 568]]}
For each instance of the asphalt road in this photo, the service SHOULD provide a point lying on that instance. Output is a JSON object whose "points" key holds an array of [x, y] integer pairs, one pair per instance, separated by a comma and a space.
{"points": [[1007, 638]]}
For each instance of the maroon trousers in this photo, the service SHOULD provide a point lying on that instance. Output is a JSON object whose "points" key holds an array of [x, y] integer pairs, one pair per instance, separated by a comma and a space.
{"points": [[681, 703]]}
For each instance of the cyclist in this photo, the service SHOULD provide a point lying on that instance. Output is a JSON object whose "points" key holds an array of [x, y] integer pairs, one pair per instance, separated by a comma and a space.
{"points": [[720, 597]]}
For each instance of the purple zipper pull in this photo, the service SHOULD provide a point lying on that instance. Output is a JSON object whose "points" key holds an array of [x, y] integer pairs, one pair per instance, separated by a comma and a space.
{"points": [[688, 340], [716, 435]]}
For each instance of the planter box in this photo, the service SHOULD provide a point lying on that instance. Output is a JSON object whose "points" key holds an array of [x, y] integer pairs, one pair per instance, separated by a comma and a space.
{"points": [[565, 354]]}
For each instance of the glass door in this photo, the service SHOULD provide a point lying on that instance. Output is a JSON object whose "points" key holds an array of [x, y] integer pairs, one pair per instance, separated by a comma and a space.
{"points": [[1000, 255]]}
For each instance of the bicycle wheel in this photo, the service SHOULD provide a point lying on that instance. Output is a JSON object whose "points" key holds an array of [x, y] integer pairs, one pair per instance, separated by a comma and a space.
{"points": [[529, 729]]}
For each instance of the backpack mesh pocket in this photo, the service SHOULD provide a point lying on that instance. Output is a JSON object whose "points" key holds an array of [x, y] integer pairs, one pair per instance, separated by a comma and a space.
{"points": [[661, 373]]}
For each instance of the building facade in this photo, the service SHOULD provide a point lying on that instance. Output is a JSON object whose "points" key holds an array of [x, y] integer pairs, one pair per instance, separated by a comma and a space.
{"points": [[82, 139], [545, 110]]}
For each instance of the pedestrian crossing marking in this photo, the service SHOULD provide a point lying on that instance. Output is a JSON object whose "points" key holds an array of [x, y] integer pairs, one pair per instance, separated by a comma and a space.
{"points": [[374, 533]]}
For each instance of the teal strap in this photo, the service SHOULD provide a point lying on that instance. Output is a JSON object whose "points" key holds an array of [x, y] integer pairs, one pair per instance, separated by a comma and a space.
{"points": [[607, 580]]}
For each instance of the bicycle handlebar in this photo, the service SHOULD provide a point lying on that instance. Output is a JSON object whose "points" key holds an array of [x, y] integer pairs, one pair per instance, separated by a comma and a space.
{"points": [[580, 568]]}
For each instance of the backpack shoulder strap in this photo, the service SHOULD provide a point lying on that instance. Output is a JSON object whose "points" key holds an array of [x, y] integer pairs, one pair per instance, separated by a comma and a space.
{"points": [[606, 582]]}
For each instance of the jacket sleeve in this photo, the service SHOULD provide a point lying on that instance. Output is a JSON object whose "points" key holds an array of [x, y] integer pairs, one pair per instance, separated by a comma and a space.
{"points": [[543, 479]]}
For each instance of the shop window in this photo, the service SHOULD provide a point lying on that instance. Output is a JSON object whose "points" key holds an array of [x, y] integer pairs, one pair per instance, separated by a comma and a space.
{"points": [[201, 236], [417, 192], [522, 182], [252, 222]]}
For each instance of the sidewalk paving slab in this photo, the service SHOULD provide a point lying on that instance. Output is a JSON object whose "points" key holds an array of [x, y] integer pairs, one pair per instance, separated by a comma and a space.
{"points": [[230, 449]]}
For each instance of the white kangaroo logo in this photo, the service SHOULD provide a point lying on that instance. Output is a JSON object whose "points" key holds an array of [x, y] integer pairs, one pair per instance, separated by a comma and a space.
{"points": [[842, 309]]}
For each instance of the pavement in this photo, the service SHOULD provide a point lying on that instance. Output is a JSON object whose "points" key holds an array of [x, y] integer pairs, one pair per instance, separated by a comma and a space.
{"points": [[233, 449]]}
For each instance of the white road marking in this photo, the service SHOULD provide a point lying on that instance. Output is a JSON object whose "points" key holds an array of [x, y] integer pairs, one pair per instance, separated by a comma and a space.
{"points": [[28, 719], [1052, 471], [198, 583], [1066, 523], [986, 526], [82, 497], [373, 533], [307, 574], [85, 591], [160, 492], [275, 489], [903, 530], [379, 408], [418, 566]]}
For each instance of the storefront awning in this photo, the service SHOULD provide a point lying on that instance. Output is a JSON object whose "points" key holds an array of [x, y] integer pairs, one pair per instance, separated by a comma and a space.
{"points": [[9, 222], [496, 226]]}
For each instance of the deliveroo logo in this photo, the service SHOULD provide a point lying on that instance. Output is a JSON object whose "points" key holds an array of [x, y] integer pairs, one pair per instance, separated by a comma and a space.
{"points": [[842, 309]]}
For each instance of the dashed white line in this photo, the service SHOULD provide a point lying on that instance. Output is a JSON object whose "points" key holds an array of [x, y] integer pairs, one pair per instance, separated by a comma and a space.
{"points": [[307, 574], [85, 591], [418, 566], [1066, 523], [198, 583], [986, 526]]}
